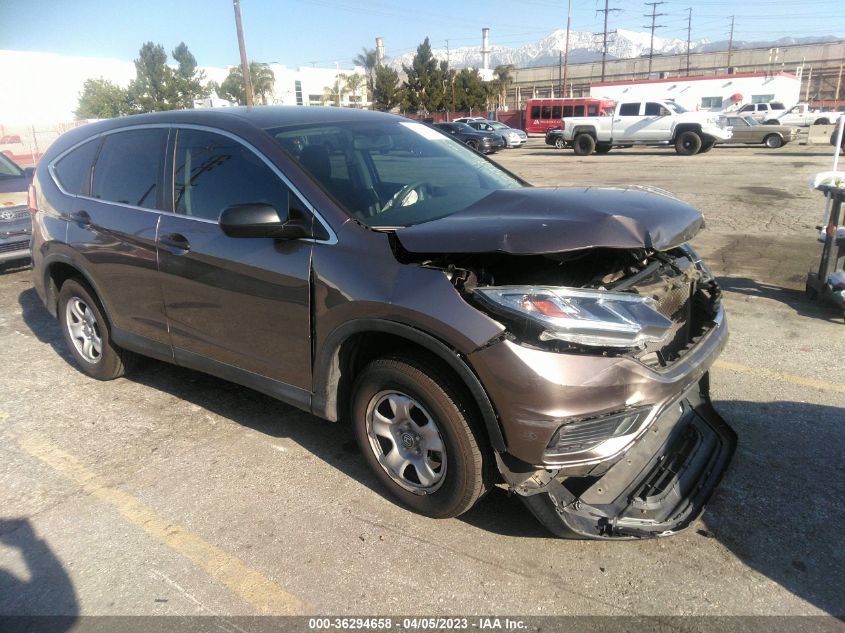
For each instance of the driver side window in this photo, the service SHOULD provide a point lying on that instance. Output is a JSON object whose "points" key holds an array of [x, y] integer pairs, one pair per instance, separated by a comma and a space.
{"points": [[213, 172]]}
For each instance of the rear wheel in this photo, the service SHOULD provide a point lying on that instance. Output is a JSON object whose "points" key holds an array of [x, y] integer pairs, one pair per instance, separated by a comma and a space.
{"points": [[688, 143], [560, 143], [87, 334], [603, 148], [821, 121], [584, 144], [418, 432], [773, 141]]}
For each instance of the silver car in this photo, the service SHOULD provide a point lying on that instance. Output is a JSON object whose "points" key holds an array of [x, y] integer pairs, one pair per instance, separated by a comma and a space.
{"points": [[512, 137]]}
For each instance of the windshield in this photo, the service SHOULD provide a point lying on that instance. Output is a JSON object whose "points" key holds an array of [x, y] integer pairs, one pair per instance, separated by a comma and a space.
{"points": [[677, 108], [751, 120], [497, 125], [8, 169], [393, 173]]}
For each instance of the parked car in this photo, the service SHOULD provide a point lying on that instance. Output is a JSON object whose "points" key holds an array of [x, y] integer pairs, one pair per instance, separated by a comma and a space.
{"points": [[366, 268], [511, 137], [467, 119], [484, 142], [15, 221], [762, 111], [749, 130], [802, 115], [645, 123]]}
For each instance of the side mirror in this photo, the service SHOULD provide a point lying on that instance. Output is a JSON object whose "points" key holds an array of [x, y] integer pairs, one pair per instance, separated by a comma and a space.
{"points": [[261, 220]]}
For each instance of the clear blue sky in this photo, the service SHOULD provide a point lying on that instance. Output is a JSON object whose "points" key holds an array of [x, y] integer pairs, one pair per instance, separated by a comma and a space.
{"points": [[299, 32]]}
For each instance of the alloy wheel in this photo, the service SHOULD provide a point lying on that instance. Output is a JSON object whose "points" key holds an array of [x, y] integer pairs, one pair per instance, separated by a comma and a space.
{"points": [[84, 330]]}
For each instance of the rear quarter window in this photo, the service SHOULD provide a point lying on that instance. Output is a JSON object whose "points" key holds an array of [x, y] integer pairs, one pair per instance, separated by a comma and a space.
{"points": [[73, 171]]}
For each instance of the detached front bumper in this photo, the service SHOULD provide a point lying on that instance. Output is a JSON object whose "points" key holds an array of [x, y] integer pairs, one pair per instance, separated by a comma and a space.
{"points": [[659, 488]]}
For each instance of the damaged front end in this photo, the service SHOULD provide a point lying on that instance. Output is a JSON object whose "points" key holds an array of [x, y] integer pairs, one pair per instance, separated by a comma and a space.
{"points": [[601, 379]]}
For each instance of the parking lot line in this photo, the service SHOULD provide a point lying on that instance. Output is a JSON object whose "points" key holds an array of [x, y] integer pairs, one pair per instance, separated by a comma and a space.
{"points": [[777, 375], [251, 585]]}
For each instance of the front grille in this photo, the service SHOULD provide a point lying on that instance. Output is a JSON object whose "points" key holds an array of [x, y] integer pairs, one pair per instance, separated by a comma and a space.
{"points": [[12, 214], [11, 247]]}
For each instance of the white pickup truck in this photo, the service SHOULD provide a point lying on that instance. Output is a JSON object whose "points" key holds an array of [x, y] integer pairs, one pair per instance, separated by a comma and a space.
{"points": [[645, 123], [803, 115]]}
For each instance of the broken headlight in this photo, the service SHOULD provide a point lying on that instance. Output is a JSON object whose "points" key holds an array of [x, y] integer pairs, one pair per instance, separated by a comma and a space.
{"points": [[584, 317]]}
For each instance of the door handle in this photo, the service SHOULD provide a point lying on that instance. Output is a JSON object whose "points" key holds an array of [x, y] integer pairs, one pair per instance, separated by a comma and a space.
{"points": [[617, 120], [82, 217], [175, 243]]}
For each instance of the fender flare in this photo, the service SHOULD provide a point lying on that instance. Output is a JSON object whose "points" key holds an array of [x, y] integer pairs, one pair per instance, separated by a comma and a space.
{"points": [[327, 376], [52, 291]]}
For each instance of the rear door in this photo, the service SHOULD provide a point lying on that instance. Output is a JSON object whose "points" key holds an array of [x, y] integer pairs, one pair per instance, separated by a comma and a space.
{"points": [[627, 122], [232, 302], [112, 226]]}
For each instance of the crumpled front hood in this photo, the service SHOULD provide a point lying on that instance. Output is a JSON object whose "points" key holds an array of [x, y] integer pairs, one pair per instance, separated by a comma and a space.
{"points": [[537, 220]]}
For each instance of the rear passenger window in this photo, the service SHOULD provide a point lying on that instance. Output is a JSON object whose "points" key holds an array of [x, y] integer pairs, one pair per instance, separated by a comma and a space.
{"points": [[629, 109], [128, 167], [73, 171], [212, 172]]}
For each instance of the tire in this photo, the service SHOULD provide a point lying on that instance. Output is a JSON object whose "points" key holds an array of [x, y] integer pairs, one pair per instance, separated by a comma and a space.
{"points": [[706, 147], [773, 141], [603, 148], [771, 122], [584, 144], [453, 450], [688, 143], [473, 145], [87, 333], [821, 121], [560, 143]]}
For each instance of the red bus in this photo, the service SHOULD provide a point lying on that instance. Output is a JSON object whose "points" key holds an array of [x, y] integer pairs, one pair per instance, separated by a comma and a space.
{"points": [[542, 115]]}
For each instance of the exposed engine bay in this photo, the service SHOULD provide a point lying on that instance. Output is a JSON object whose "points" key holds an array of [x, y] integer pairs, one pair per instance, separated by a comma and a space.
{"points": [[681, 287]]}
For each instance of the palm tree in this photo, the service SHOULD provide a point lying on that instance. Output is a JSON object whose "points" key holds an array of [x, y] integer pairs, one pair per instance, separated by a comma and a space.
{"points": [[335, 93], [263, 80], [503, 81], [353, 84], [368, 60]]}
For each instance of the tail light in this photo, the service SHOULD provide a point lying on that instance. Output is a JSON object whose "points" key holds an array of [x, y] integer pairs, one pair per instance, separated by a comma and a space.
{"points": [[32, 200]]}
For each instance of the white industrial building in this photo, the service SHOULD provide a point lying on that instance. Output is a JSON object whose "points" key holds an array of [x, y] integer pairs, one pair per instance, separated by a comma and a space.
{"points": [[707, 92]]}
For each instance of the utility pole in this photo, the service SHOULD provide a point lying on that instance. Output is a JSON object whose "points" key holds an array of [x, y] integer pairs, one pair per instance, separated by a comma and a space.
{"points": [[606, 10], [242, 47], [449, 70], [731, 43], [566, 48], [689, 36], [653, 15]]}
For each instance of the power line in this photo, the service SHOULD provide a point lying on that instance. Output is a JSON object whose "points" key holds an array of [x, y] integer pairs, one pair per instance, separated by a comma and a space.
{"points": [[606, 10], [653, 15]]}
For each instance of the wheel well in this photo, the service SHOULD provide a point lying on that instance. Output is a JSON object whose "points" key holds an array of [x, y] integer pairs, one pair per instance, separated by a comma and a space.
{"points": [[687, 127], [57, 274], [584, 130], [333, 393]]}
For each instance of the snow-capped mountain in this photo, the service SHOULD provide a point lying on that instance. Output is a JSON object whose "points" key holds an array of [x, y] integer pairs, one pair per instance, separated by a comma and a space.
{"points": [[585, 47]]}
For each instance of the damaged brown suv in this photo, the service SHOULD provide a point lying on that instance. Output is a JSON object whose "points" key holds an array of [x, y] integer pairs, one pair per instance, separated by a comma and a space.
{"points": [[474, 330]]}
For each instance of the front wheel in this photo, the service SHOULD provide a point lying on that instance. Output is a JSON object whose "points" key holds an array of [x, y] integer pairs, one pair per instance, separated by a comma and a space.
{"points": [[87, 334], [773, 141], [706, 147], [821, 121], [688, 143], [583, 145], [418, 432]]}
